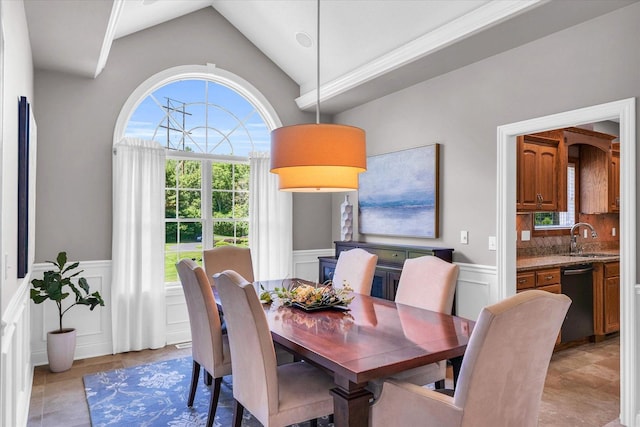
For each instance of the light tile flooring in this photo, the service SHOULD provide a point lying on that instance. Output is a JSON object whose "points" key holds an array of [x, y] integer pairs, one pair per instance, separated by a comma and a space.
{"points": [[582, 386]]}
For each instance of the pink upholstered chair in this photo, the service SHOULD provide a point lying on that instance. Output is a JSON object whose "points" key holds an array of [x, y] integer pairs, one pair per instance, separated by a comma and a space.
{"points": [[275, 395], [223, 258], [426, 282], [355, 268], [210, 348], [502, 375]]}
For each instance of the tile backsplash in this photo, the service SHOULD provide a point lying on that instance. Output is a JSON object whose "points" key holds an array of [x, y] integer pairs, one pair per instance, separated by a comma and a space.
{"points": [[541, 244]]}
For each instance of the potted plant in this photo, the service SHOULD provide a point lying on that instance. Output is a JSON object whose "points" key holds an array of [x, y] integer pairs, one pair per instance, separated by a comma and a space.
{"points": [[61, 343]]}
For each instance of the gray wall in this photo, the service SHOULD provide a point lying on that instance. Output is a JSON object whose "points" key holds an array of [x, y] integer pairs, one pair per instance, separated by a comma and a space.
{"points": [[78, 115], [589, 64]]}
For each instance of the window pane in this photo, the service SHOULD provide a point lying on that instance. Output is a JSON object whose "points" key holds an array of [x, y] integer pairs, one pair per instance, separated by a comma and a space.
{"points": [[242, 233], [241, 177], [190, 236], [189, 175], [170, 204], [223, 233], [170, 173], [222, 204], [189, 204], [221, 176], [241, 207], [171, 235]]}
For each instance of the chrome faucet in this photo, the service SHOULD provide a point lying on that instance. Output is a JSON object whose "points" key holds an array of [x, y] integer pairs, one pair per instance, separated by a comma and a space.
{"points": [[574, 245]]}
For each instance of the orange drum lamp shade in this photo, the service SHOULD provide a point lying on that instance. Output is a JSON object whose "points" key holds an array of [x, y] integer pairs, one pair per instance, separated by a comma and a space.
{"points": [[318, 157]]}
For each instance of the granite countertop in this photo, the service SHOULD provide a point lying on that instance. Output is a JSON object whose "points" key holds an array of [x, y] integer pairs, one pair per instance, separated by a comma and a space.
{"points": [[560, 260]]}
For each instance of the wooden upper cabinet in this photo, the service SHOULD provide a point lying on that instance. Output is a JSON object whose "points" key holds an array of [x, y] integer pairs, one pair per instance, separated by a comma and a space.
{"points": [[614, 179], [599, 170], [539, 179]]}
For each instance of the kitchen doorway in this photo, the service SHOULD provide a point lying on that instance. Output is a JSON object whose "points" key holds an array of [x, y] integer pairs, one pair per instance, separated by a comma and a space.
{"points": [[624, 112]]}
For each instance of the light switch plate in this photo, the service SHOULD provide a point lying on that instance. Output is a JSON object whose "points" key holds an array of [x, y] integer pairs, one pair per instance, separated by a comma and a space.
{"points": [[492, 243], [464, 237]]}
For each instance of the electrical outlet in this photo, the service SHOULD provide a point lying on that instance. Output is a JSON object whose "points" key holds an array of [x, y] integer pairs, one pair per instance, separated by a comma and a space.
{"points": [[464, 237], [613, 231], [526, 235], [585, 233]]}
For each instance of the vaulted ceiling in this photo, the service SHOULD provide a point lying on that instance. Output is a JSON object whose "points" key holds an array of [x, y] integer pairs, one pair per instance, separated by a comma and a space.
{"points": [[367, 48]]}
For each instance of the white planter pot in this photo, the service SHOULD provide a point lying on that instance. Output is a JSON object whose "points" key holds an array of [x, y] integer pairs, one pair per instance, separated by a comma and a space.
{"points": [[61, 347]]}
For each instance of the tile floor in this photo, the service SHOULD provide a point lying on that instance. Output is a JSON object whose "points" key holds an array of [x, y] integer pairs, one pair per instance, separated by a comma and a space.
{"points": [[582, 386]]}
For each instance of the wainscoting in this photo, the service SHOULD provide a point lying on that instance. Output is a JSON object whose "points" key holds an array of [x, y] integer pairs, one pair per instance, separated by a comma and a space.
{"points": [[25, 325], [16, 370]]}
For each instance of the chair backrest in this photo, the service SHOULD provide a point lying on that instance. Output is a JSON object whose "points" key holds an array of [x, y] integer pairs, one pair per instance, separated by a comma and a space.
{"points": [[223, 258], [253, 358], [428, 282], [355, 267], [206, 333], [506, 360]]}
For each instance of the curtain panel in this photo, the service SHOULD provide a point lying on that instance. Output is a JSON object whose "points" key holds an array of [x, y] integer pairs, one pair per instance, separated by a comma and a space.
{"points": [[138, 290], [270, 222]]}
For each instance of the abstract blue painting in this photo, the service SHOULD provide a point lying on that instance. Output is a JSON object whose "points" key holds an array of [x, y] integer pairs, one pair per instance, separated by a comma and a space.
{"points": [[398, 194]]}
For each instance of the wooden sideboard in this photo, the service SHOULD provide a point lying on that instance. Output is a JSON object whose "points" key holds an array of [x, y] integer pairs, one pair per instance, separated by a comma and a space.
{"points": [[390, 261]]}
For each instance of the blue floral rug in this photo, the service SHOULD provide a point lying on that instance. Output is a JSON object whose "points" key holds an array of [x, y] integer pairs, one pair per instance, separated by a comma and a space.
{"points": [[155, 394]]}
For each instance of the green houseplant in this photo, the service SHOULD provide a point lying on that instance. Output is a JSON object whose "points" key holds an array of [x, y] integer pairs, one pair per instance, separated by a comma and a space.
{"points": [[57, 285]]}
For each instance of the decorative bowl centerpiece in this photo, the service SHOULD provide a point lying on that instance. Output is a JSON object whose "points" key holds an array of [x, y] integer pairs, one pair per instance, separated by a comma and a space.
{"points": [[310, 297]]}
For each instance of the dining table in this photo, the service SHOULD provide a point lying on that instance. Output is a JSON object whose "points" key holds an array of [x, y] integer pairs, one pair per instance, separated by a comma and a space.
{"points": [[370, 338]]}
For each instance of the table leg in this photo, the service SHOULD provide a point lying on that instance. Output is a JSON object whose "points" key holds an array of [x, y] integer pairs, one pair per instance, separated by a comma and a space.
{"points": [[350, 404], [456, 362]]}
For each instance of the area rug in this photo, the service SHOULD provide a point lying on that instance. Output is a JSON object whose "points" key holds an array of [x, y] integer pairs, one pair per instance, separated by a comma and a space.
{"points": [[155, 394]]}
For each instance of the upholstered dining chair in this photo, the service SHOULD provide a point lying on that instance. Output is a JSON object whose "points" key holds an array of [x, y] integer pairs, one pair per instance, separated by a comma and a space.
{"points": [[356, 268], [210, 348], [275, 395], [502, 374], [223, 258], [427, 282]]}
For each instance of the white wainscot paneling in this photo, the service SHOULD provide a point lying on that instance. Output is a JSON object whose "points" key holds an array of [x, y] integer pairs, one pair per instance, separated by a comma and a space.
{"points": [[16, 370], [178, 329], [93, 327], [472, 292], [305, 263]]}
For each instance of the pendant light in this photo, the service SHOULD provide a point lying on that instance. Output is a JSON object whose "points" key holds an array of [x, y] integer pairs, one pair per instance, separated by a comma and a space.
{"points": [[318, 157]]}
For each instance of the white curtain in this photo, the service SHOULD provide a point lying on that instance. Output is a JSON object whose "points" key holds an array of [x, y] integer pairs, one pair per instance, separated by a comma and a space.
{"points": [[270, 222], [137, 290]]}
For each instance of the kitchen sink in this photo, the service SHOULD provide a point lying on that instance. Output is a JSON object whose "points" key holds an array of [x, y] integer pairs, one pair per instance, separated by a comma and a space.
{"points": [[592, 255]]}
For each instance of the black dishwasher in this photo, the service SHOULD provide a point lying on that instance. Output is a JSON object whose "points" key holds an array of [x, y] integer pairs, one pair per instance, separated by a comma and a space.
{"points": [[577, 284]]}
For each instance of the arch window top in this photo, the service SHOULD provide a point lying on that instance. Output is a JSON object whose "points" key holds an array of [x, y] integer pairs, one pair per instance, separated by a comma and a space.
{"points": [[200, 116]]}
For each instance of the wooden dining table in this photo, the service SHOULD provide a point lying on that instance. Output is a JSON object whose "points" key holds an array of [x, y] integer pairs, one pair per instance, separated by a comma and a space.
{"points": [[373, 339]]}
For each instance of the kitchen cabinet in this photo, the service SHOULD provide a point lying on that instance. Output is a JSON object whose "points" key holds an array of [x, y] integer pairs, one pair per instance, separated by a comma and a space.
{"points": [[614, 180], [606, 282], [389, 266], [599, 171], [547, 279], [541, 174]]}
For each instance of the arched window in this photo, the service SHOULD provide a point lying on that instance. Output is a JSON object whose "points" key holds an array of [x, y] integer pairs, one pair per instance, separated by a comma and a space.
{"points": [[209, 121]]}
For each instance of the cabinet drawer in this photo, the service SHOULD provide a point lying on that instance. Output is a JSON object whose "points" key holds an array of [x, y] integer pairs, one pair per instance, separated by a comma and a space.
{"points": [[554, 289], [548, 277], [526, 281], [612, 269], [389, 256]]}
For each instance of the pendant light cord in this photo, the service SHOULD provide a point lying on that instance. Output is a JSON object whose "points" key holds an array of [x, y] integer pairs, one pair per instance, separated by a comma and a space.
{"points": [[318, 65]]}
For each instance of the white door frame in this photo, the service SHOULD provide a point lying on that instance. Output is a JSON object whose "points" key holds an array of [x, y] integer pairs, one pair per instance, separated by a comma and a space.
{"points": [[624, 112]]}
